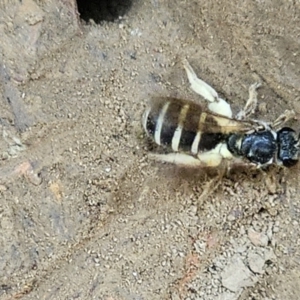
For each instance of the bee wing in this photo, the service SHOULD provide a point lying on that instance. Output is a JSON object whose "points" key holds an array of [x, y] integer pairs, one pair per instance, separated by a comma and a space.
{"points": [[198, 85], [215, 123]]}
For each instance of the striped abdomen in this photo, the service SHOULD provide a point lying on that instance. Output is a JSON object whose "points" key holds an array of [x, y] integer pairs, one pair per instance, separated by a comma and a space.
{"points": [[183, 125]]}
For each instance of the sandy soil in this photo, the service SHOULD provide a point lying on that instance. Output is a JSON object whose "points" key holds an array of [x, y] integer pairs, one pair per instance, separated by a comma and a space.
{"points": [[84, 214]]}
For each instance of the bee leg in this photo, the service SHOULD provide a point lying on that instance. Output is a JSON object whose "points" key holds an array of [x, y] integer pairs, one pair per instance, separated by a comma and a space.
{"points": [[177, 158], [199, 86], [282, 119], [259, 125], [186, 160], [209, 188], [251, 104], [214, 183], [210, 159], [240, 163], [216, 104]]}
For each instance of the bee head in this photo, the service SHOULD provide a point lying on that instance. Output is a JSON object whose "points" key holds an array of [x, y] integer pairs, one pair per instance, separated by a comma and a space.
{"points": [[288, 147]]}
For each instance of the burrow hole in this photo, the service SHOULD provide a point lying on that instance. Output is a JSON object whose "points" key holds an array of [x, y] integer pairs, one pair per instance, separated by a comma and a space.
{"points": [[103, 10]]}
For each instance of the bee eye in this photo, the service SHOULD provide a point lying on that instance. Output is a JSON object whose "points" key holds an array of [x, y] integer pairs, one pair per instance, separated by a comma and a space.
{"points": [[289, 162]]}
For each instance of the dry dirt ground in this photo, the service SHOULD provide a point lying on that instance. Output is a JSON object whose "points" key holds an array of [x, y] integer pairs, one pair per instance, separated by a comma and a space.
{"points": [[84, 214]]}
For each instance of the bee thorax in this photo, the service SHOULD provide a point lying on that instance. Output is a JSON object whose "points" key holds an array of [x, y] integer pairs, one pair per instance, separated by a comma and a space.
{"points": [[258, 147]]}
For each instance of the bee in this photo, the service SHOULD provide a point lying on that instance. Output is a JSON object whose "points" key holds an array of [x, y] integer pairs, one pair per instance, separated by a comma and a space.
{"points": [[200, 136]]}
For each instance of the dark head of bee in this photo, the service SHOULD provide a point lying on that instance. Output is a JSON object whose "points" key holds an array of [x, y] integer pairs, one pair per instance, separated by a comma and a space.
{"points": [[288, 146]]}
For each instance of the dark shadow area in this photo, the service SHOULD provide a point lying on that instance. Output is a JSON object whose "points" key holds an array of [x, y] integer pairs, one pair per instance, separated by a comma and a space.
{"points": [[103, 10]]}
